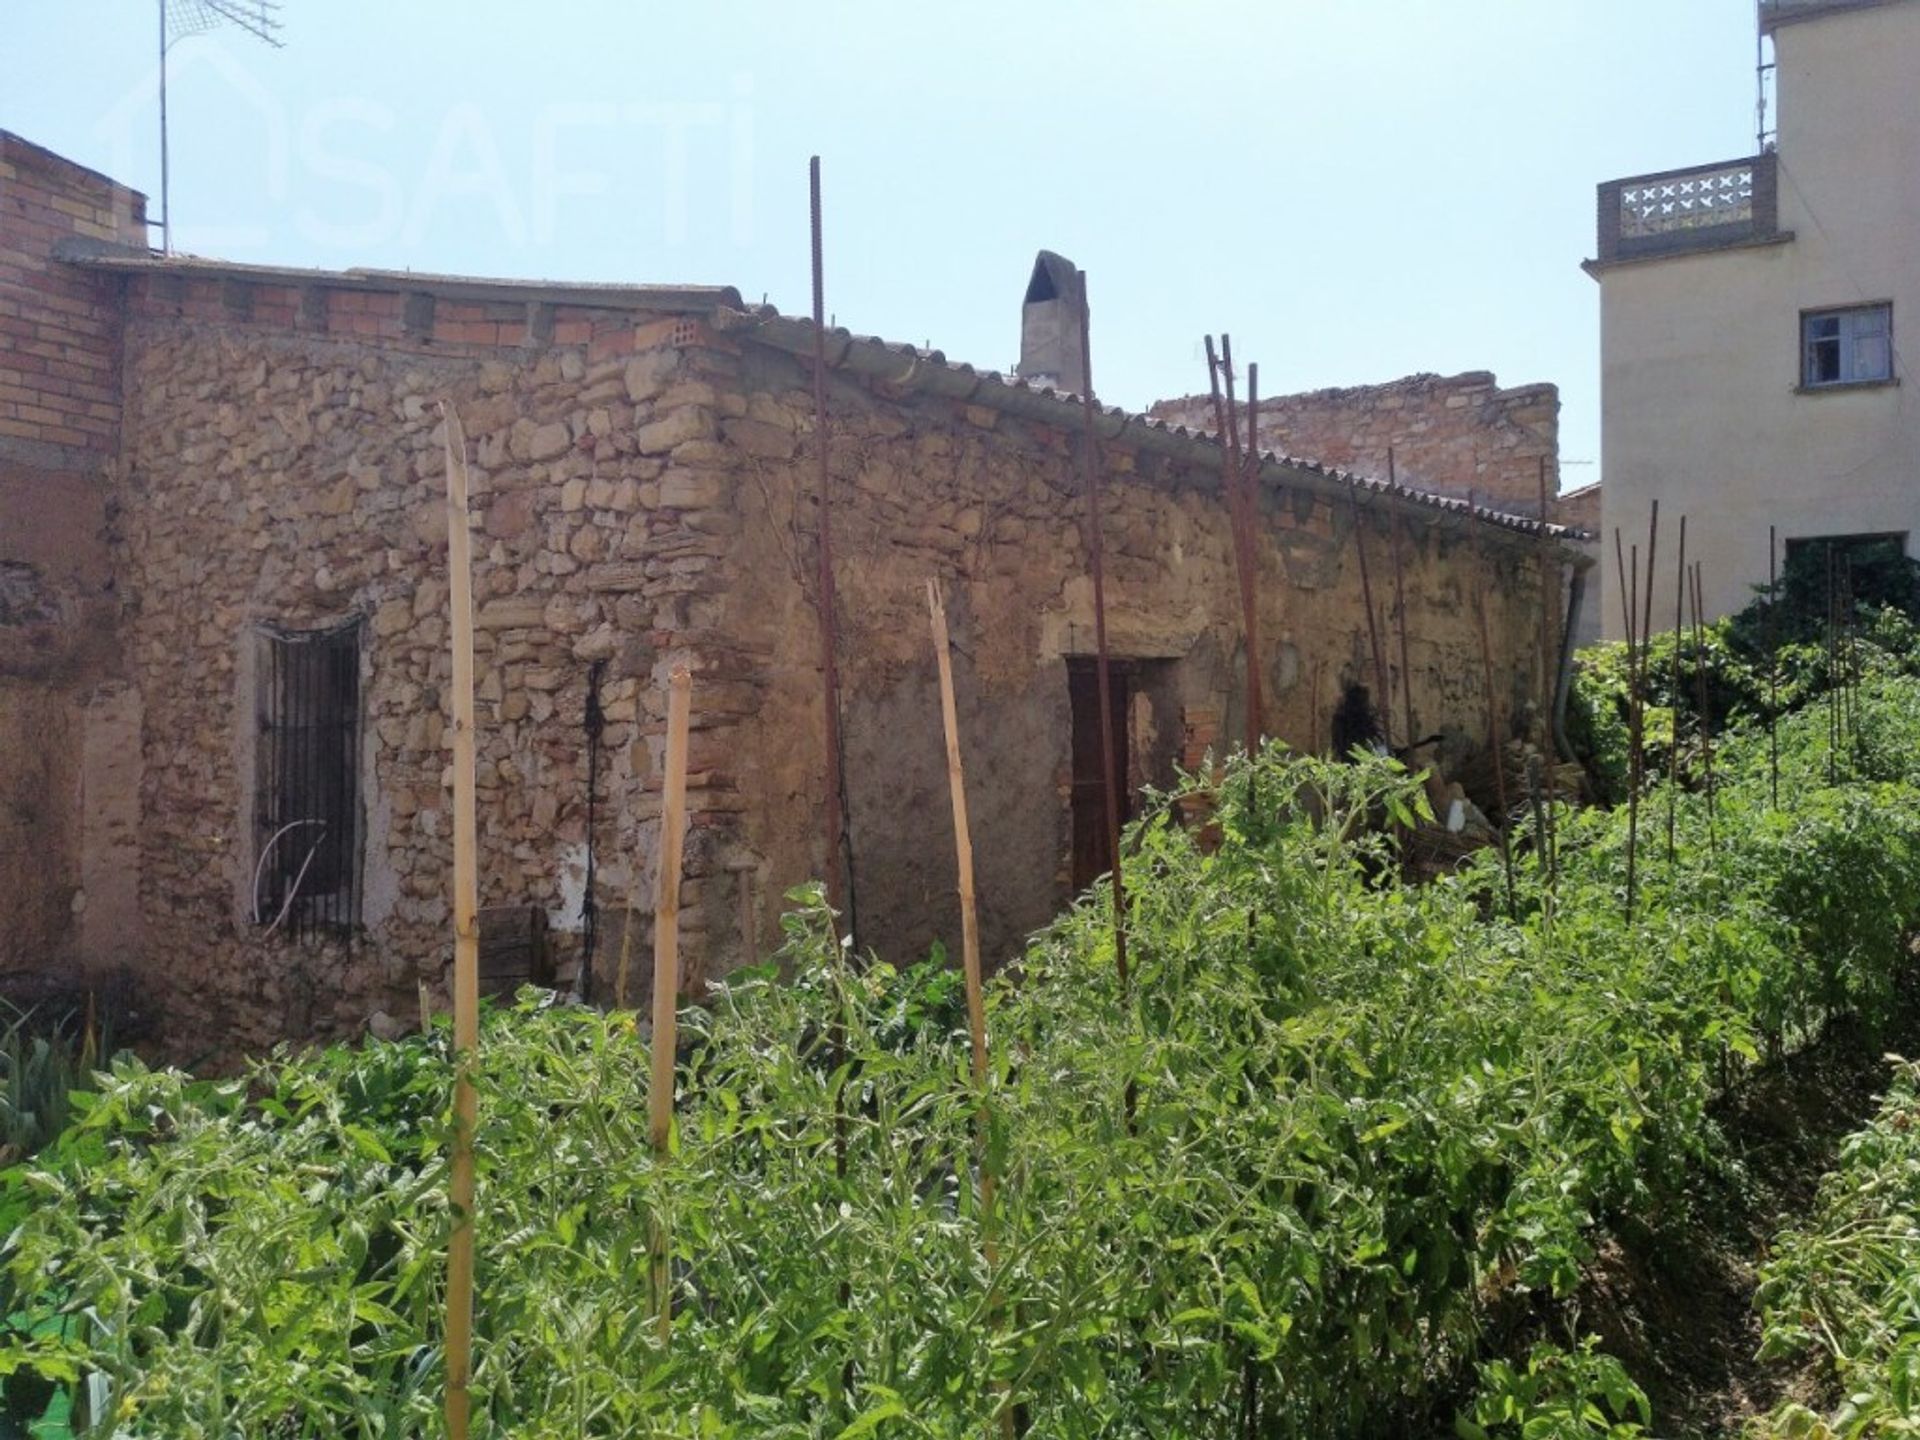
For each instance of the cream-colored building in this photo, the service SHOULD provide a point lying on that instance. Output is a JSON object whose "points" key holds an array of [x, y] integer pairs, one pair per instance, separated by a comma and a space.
{"points": [[1752, 314]]}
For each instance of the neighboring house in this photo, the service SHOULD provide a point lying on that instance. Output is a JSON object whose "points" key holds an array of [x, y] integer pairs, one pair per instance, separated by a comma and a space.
{"points": [[223, 616], [1751, 318]]}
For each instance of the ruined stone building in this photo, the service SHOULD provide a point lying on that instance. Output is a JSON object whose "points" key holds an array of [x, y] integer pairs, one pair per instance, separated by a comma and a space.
{"points": [[224, 636]]}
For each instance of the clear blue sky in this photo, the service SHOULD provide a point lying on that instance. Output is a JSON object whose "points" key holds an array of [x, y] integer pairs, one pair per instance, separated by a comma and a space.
{"points": [[1356, 189]]}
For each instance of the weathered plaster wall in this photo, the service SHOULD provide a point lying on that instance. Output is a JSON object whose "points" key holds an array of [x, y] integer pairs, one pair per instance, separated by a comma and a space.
{"points": [[1450, 435], [60, 902]]}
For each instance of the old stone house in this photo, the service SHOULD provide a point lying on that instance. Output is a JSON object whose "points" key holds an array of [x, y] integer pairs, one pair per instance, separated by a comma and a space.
{"points": [[223, 627]]}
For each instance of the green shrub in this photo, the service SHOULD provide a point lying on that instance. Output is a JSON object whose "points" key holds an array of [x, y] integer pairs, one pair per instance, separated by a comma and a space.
{"points": [[1277, 1188]]}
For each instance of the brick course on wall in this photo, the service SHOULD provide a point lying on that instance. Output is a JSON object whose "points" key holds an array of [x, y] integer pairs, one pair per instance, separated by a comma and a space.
{"points": [[1450, 435], [59, 433], [59, 325]]}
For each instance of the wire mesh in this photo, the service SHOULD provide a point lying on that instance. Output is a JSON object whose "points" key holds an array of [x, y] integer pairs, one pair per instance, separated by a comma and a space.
{"points": [[259, 18]]}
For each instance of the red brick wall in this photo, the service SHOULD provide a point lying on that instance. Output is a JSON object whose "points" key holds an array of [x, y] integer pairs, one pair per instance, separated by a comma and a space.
{"points": [[1449, 434], [59, 325], [65, 867]]}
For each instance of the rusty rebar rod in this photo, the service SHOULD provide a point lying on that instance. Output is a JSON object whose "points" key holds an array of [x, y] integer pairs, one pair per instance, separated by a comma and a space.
{"points": [[1703, 662], [1549, 599], [1381, 689], [835, 816], [1250, 565], [1237, 470], [1400, 607], [1773, 669], [1494, 742], [1090, 469], [1631, 581], [1833, 703], [1673, 746]]}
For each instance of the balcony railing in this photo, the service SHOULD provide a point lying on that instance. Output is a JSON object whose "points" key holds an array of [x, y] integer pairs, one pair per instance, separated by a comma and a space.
{"points": [[1705, 208]]}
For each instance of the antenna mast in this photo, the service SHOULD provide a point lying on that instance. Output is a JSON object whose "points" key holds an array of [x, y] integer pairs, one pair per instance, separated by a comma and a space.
{"points": [[1766, 69], [178, 20]]}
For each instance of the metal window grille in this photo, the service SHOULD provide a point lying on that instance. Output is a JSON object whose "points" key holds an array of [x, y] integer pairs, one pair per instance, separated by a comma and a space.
{"points": [[307, 820]]}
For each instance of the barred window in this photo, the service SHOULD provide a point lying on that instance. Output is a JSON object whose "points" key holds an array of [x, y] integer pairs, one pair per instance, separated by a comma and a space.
{"points": [[306, 877]]}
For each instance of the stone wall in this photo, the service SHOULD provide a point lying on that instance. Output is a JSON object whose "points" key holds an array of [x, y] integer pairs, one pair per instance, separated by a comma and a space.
{"points": [[643, 494], [990, 505], [66, 881], [295, 477], [1450, 435]]}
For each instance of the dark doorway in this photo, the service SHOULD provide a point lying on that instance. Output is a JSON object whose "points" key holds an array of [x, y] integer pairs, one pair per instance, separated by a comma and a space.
{"points": [[1092, 854]]}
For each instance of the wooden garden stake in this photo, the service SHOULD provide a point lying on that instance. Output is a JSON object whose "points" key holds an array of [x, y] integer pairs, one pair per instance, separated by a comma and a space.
{"points": [[666, 968], [962, 838], [969, 932], [466, 937]]}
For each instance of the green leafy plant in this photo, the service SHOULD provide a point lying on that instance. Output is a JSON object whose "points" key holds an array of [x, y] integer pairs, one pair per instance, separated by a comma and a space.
{"points": [[1276, 1187], [1557, 1394]]}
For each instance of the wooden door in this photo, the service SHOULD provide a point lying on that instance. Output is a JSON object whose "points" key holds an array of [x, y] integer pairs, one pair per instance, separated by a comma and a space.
{"points": [[1092, 855]]}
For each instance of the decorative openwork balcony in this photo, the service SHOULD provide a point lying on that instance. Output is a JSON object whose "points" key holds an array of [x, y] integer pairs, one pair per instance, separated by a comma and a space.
{"points": [[1708, 207]]}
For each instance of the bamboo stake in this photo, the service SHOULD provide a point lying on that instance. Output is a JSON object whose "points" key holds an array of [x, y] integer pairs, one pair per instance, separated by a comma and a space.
{"points": [[969, 942], [466, 938], [666, 971], [963, 838]]}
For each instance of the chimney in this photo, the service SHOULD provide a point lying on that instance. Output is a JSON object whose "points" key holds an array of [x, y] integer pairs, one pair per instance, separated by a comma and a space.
{"points": [[1050, 326]]}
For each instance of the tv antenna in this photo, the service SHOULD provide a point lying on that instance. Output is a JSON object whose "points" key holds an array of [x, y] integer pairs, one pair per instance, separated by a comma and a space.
{"points": [[180, 19]]}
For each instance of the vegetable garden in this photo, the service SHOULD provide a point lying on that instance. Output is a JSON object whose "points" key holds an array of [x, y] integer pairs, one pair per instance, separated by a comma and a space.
{"points": [[1299, 1178]]}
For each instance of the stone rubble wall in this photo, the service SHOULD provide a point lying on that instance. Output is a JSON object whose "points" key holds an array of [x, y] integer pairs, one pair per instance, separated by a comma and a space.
{"points": [[1450, 435], [644, 494], [298, 479], [991, 506]]}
